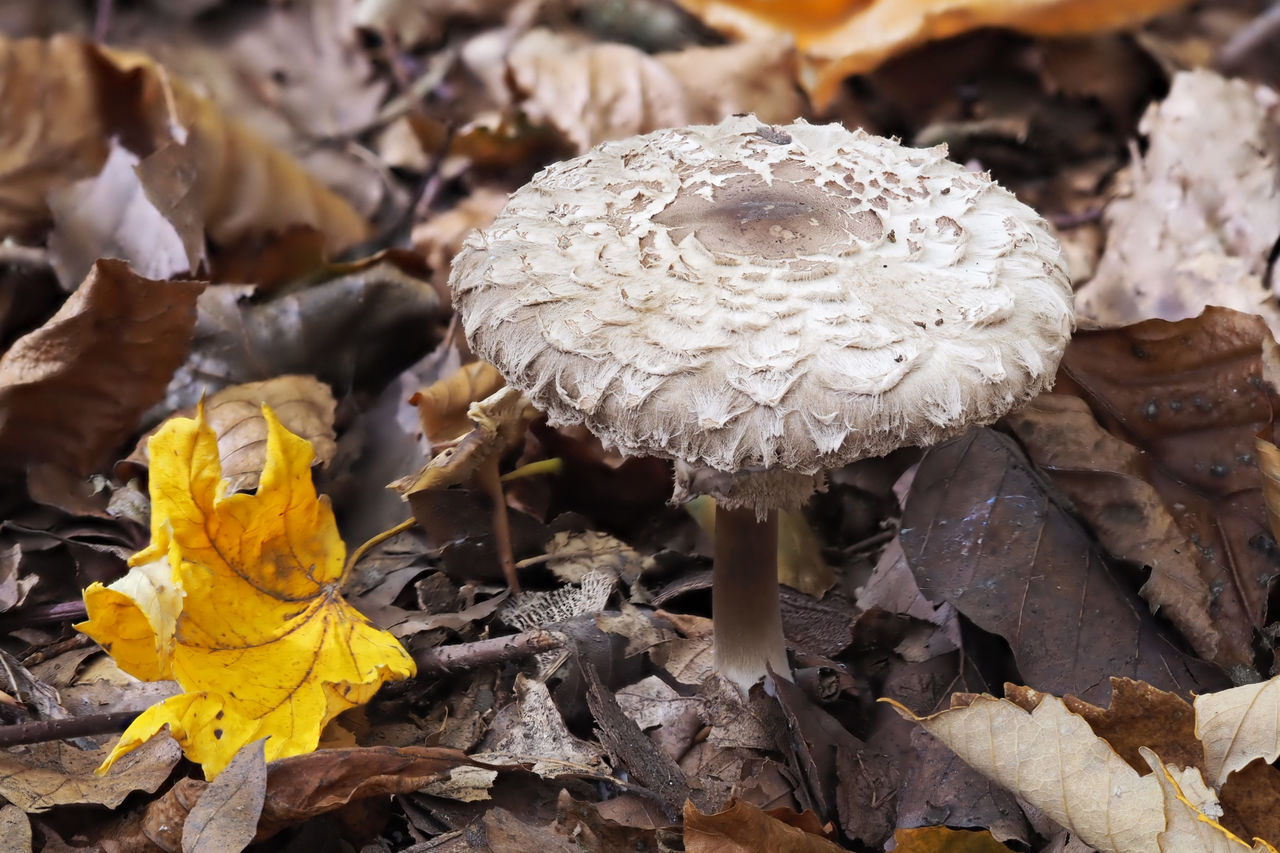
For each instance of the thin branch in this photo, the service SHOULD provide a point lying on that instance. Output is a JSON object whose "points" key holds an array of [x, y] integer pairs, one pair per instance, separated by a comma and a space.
{"points": [[66, 729]]}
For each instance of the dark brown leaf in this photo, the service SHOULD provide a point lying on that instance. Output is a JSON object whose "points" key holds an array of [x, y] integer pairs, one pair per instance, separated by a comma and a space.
{"points": [[74, 389], [981, 531], [1190, 396], [358, 329], [848, 779]]}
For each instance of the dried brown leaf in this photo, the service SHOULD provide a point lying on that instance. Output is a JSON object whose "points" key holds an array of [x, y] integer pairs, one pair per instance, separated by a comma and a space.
{"points": [[592, 92], [1109, 482], [73, 389], [442, 405], [941, 839], [225, 818], [41, 776], [242, 184], [744, 828], [304, 405], [304, 786]]}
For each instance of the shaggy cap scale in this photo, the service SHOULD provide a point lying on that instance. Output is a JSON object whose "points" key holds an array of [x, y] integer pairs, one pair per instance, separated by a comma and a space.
{"points": [[748, 296]]}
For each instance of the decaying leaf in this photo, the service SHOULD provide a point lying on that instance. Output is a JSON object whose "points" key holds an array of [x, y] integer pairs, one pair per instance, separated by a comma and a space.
{"points": [[837, 39], [243, 185], [1181, 404], [73, 389], [1107, 480], [263, 645]]}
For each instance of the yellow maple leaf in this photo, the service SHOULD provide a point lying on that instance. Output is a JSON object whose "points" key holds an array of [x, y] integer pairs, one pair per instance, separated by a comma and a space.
{"points": [[249, 620]]}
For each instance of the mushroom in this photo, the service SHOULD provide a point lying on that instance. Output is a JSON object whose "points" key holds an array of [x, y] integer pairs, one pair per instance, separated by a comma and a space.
{"points": [[762, 304]]}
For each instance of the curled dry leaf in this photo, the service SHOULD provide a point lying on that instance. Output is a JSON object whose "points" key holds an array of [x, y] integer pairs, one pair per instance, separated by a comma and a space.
{"points": [[110, 215], [1237, 726], [592, 92], [836, 40], [443, 405], [73, 389], [498, 422], [243, 184], [1189, 830], [1203, 210]]}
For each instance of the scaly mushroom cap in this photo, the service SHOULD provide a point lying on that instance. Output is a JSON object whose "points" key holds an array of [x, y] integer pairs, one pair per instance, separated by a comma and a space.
{"points": [[748, 296]]}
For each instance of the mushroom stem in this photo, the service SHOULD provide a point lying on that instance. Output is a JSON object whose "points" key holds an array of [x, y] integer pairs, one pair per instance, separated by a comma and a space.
{"points": [[744, 598]]}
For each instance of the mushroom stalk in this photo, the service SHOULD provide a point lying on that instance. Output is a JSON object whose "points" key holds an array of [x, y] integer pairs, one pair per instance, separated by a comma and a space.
{"points": [[744, 598]]}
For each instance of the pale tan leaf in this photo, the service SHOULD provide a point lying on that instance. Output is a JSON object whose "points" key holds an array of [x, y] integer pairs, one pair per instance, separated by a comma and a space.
{"points": [[592, 92], [1237, 726], [1053, 760], [442, 405], [1188, 830]]}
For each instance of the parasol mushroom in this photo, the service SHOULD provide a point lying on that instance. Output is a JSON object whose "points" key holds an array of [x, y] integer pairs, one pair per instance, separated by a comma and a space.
{"points": [[761, 304]]}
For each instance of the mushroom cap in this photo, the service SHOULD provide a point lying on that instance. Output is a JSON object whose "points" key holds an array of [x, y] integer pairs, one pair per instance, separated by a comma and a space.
{"points": [[743, 296]]}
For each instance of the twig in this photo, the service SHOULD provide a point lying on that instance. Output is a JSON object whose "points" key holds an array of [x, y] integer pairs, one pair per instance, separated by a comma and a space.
{"points": [[1259, 32], [441, 660], [24, 256], [66, 729], [65, 611]]}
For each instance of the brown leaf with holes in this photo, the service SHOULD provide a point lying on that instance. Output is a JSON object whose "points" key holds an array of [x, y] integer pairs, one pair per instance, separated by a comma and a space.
{"points": [[74, 389], [1159, 457]]}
